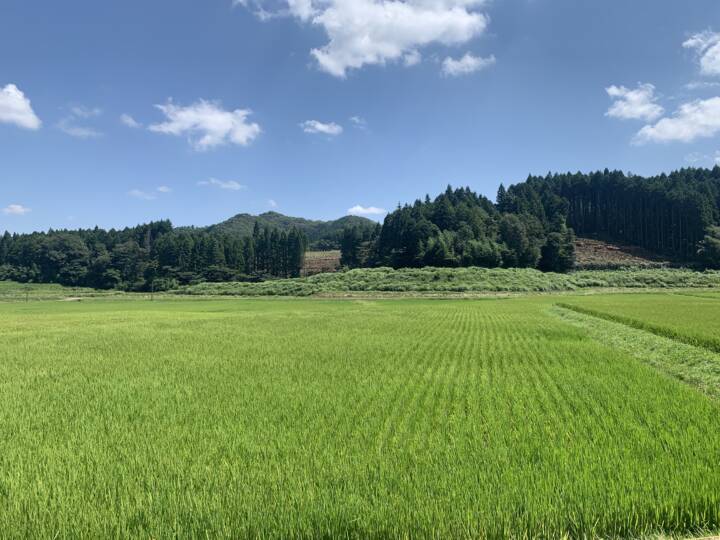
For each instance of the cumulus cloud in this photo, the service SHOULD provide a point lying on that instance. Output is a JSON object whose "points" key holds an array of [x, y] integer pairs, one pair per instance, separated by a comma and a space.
{"points": [[637, 104], [16, 109], [316, 127], [465, 65], [207, 124], [693, 120], [707, 47], [129, 121], [231, 185], [15, 210], [375, 32], [359, 210]]}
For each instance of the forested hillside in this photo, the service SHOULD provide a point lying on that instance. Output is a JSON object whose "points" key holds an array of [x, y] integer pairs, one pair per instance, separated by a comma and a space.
{"points": [[152, 256], [321, 235], [675, 214], [533, 223]]}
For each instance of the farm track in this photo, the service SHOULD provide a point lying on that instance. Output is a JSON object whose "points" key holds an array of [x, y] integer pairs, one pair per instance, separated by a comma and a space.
{"points": [[695, 365], [709, 343]]}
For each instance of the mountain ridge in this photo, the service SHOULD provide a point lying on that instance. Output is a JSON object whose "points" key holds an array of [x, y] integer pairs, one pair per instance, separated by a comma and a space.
{"points": [[318, 232]]}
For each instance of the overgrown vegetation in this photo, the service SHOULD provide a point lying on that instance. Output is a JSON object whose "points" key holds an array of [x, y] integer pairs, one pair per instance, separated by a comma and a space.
{"points": [[286, 419], [460, 280]]}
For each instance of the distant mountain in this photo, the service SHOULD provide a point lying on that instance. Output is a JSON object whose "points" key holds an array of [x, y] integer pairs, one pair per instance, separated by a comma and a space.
{"points": [[322, 234]]}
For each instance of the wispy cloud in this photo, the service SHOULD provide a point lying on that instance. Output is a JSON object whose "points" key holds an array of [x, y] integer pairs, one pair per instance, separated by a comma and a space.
{"points": [[316, 127], [73, 123], [129, 121], [272, 203], [359, 122], [149, 195], [359, 210], [207, 125], [16, 109], [465, 65], [16, 210], [231, 185], [142, 195]]}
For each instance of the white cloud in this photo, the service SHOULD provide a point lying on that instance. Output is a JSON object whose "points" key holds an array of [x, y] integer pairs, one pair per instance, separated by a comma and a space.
{"points": [[465, 65], [15, 210], [15, 108], [143, 195], [637, 104], [716, 158], [231, 185], [129, 121], [79, 113], [707, 47], [314, 126], [207, 124], [693, 120], [164, 189], [272, 203], [375, 32], [359, 210]]}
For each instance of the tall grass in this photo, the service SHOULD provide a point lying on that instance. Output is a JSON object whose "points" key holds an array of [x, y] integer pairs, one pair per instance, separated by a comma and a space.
{"points": [[296, 418], [460, 280]]}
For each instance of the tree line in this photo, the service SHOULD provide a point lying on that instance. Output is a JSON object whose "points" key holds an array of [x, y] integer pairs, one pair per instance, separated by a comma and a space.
{"points": [[154, 256]]}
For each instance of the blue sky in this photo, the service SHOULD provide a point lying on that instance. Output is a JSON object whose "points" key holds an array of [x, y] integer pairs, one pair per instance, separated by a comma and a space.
{"points": [[116, 113]]}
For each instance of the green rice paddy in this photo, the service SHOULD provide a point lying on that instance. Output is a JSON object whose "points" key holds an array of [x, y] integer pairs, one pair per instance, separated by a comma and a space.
{"points": [[304, 418]]}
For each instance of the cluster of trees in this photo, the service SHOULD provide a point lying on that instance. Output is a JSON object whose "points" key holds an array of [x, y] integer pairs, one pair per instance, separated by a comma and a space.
{"points": [[462, 228], [670, 214], [154, 256]]}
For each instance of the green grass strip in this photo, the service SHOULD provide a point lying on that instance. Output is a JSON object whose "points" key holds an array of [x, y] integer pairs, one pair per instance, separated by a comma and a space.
{"points": [[692, 365], [662, 331]]}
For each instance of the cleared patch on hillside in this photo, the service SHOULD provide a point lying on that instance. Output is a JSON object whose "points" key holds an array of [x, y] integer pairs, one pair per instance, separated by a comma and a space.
{"points": [[592, 253], [319, 262]]}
